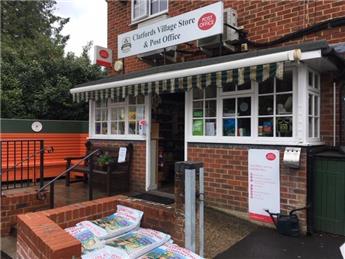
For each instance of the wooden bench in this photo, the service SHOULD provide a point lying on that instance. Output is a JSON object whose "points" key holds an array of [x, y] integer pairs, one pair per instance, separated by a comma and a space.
{"points": [[114, 177]]}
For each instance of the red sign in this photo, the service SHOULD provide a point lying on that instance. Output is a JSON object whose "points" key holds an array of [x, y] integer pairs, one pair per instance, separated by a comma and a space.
{"points": [[103, 56], [103, 53], [207, 21], [270, 156]]}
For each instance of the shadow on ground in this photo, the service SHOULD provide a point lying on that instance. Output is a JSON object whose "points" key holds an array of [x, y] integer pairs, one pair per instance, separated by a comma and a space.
{"points": [[266, 243]]}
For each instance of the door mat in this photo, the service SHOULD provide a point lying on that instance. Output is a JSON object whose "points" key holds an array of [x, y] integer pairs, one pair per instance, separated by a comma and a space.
{"points": [[154, 198]]}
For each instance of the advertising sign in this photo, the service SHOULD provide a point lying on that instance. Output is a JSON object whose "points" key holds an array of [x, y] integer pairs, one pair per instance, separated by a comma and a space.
{"points": [[103, 56], [263, 183], [200, 23]]}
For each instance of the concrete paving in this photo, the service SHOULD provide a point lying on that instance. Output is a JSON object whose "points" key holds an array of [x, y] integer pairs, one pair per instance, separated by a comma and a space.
{"points": [[266, 243]]}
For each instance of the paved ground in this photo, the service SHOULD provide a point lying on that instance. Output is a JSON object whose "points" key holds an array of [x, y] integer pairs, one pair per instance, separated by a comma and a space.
{"points": [[267, 243]]}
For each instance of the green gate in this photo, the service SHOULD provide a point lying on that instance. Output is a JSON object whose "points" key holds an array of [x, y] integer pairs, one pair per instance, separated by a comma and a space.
{"points": [[329, 192]]}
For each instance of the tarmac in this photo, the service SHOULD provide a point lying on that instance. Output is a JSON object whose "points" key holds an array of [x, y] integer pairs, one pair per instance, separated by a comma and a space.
{"points": [[265, 243]]}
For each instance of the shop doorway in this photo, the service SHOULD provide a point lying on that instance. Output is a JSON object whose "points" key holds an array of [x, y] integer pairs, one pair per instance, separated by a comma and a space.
{"points": [[167, 138]]}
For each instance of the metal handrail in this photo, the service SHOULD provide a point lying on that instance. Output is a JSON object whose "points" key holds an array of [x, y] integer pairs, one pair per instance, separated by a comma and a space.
{"points": [[49, 150], [52, 182]]}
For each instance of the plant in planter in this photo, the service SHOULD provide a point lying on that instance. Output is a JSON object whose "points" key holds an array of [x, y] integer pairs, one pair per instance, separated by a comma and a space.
{"points": [[104, 160]]}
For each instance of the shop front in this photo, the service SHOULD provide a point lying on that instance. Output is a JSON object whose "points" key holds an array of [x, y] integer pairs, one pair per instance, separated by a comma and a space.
{"points": [[216, 111]]}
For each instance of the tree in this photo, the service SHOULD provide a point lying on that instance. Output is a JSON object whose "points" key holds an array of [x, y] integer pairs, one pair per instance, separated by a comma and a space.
{"points": [[36, 76]]}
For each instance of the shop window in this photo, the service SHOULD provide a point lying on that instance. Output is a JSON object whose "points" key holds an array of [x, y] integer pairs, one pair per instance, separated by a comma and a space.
{"points": [[101, 118], [120, 116], [136, 112], [313, 105], [275, 107], [204, 112], [237, 116], [142, 9]]}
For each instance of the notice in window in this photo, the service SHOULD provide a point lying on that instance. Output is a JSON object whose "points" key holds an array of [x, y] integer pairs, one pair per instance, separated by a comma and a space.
{"points": [[263, 183]]}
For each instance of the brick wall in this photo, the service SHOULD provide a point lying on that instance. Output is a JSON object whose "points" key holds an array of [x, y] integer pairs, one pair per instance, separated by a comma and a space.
{"points": [[263, 20], [326, 110], [41, 234], [14, 202], [138, 166], [226, 177]]}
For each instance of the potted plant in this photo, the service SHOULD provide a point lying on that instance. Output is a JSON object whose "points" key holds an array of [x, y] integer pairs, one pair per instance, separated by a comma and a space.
{"points": [[104, 160]]}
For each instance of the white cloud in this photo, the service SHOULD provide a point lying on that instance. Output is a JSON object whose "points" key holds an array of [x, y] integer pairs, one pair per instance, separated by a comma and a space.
{"points": [[88, 22]]}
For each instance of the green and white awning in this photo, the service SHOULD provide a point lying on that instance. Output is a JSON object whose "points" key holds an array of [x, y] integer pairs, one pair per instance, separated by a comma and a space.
{"points": [[238, 76]]}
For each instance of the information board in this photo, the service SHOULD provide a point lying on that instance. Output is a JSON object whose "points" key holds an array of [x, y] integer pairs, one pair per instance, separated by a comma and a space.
{"points": [[263, 183]]}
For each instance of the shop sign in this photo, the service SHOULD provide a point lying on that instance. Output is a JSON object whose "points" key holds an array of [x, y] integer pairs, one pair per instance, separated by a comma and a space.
{"points": [[263, 183], [200, 23], [103, 56]]}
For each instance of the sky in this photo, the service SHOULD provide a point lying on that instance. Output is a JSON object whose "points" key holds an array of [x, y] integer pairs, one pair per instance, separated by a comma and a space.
{"points": [[88, 22]]}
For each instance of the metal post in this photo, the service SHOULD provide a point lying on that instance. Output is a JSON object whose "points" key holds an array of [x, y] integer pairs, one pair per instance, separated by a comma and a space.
{"points": [[68, 174], [51, 195], [90, 171], [190, 209], [201, 211], [41, 163]]}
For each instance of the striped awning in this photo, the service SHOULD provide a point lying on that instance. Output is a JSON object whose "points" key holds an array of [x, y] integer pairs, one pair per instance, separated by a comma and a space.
{"points": [[238, 76]]}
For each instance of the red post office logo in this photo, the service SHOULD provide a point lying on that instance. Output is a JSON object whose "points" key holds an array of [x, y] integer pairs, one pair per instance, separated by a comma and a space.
{"points": [[270, 156], [103, 53], [206, 21]]}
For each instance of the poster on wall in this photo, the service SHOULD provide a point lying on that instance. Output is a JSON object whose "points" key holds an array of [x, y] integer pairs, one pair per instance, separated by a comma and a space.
{"points": [[263, 183]]}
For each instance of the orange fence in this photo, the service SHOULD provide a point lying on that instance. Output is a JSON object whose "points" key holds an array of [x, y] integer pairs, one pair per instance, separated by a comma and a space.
{"points": [[64, 144]]}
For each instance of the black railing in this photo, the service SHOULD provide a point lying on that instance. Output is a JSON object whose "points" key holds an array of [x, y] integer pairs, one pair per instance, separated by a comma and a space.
{"points": [[19, 159], [41, 194]]}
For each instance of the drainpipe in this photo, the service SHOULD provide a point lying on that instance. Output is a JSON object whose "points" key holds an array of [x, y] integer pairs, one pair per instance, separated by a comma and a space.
{"points": [[334, 113]]}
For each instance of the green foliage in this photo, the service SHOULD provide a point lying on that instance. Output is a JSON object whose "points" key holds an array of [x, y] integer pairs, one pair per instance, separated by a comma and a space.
{"points": [[35, 75], [104, 160]]}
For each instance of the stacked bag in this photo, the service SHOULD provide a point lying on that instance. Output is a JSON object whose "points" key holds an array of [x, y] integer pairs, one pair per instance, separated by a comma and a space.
{"points": [[119, 236]]}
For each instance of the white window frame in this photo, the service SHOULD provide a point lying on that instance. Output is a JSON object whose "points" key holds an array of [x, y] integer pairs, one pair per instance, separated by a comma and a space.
{"points": [[148, 14], [298, 89], [126, 136], [314, 92]]}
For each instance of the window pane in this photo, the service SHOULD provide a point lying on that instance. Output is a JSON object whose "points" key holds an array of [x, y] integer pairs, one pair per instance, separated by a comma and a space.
{"points": [[98, 115], [211, 92], [245, 86], [210, 128], [310, 123], [121, 127], [265, 128], [210, 108], [266, 86], [284, 127], [285, 85], [316, 81], [131, 113], [140, 113], [229, 107], [229, 127], [266, 105], [131, 127], [310, 105], [117, 99], [198, 127], [244, 106], [198, 93], [198, 110], [154, 6], [284, 104], [229, 87], [131, 99], [98, 128], [316, 105], [140, 99], [113, 129], [163, 5], [316, 128], [104, 128], [243, 127], [310, 79], [104, 115]]}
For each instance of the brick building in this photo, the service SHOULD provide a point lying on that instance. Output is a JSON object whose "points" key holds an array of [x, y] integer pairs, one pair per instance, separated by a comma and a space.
{"points": [[269, 85]]}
